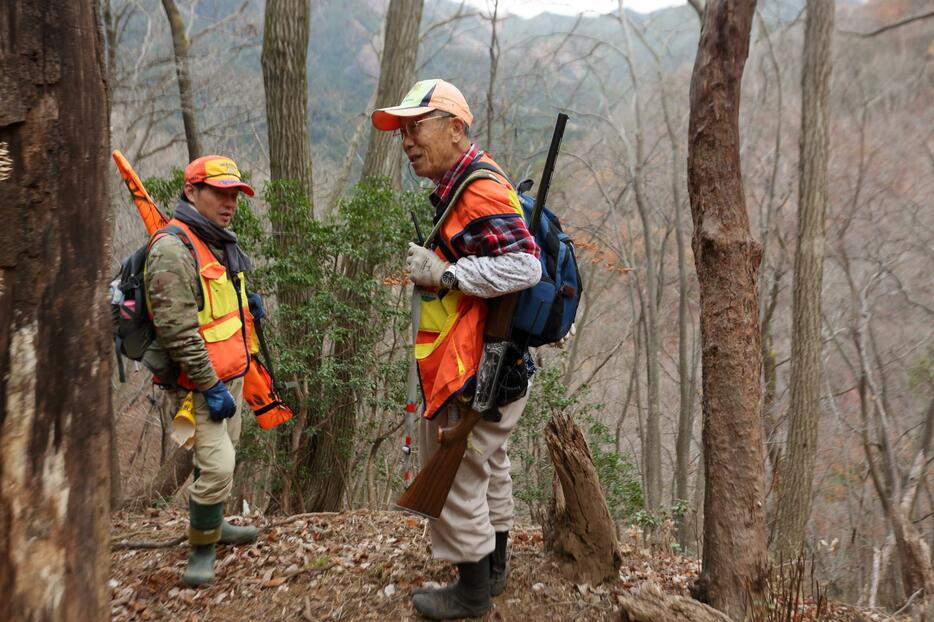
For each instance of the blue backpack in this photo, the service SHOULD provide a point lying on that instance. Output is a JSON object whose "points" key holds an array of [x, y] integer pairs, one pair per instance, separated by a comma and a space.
{"points": [[544, 313]]}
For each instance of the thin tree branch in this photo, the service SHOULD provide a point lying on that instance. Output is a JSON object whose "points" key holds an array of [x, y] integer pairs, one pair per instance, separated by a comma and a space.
{"points": [[888, 27]]}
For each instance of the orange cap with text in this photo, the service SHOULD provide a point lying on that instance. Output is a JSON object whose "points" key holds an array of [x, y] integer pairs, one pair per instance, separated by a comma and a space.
{"points": [[217, 171]]}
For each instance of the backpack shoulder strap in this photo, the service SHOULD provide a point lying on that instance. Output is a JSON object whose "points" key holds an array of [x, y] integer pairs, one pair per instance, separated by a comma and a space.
{"points": [[461, 185]]}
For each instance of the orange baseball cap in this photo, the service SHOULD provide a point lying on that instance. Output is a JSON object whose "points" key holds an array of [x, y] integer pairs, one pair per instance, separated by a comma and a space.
{"points": [[217, 171], [425, 96]]}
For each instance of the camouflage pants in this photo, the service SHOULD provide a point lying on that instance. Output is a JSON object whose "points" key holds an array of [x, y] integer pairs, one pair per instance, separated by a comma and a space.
{"points": [[480, 502], [215, 450]]}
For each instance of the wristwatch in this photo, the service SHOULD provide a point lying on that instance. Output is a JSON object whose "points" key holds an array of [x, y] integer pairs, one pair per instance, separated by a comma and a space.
{"points": [[448, 278]]}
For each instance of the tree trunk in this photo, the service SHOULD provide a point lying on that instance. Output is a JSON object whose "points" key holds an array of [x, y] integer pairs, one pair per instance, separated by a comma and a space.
{"points": [[579, 530], [794, 492], [180, 47], [116, 489], [55, 350], [685, 358], [735, 561], [653, 438], [284, 58], [396, 72], [494, 66], [285, 51]]}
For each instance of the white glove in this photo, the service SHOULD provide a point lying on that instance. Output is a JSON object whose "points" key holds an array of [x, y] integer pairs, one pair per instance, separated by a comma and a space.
{"points": [[424, 266]]}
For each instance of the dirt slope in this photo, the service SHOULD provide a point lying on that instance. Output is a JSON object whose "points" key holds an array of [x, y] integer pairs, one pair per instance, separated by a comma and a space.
{"points": [[350, 566]]}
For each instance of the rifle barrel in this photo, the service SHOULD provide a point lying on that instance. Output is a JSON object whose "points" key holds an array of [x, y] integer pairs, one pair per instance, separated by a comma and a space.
{"points": [[545, 183]]}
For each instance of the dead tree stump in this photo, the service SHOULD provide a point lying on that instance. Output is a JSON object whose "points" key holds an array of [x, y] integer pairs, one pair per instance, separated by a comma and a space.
{"points": [[649, 604], [579, 529]]}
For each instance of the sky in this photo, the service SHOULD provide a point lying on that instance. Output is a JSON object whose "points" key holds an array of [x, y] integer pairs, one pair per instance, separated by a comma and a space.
{"points": [[530, 8]]}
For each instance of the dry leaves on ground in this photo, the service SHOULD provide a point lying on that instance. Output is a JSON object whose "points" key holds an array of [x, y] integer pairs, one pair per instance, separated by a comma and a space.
{"points": [[353, 566]]}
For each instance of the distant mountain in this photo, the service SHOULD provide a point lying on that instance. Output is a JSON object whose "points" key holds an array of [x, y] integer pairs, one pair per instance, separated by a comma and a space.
{"points": [[345, 42]]}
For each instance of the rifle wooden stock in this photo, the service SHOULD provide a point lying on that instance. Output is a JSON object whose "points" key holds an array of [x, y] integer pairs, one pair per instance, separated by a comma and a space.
{"points": [[429, 491], [498, 325], [430, 488]]}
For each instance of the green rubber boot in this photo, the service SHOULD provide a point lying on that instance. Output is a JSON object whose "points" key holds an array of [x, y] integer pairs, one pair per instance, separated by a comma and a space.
{"points": [[232, 534], [204, 530], [468, 598]]}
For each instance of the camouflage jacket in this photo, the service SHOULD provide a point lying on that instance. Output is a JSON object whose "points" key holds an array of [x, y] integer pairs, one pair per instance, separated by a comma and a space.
{"points": [[172, 286]]}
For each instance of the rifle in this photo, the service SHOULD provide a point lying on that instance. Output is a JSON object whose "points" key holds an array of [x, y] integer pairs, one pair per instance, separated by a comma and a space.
{"points": [[429, 490]]}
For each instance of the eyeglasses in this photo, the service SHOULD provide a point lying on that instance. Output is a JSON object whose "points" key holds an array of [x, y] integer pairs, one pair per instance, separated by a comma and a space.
{"points": [[412, 127]]}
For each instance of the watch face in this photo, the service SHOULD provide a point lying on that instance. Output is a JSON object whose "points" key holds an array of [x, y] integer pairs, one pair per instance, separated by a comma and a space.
{"points": [[447, 279]]}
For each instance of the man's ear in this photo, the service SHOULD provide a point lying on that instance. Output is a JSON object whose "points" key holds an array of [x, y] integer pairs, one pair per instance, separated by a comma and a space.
{"points": [[189, 191], [460, 129]]}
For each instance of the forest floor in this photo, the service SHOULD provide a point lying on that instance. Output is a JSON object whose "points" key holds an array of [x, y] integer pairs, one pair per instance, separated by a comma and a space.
{"points": [[360, 566]]}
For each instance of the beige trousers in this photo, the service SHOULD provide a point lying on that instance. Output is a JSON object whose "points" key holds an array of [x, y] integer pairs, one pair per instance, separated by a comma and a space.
{"points": [[215, 449], [480, 502]]}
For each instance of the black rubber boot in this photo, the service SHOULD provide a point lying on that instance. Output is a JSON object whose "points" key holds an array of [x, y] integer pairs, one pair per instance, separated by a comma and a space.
{"points": [[232, 534], [468, 598], [499, 564], [204, 530]]}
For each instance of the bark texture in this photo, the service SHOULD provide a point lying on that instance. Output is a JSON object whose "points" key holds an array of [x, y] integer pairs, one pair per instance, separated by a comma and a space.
{"points": [[794, 492], [579, 530], [735, 562], [396, 75], [649, 603], [54, 327], [180, 48], [285, 52]]}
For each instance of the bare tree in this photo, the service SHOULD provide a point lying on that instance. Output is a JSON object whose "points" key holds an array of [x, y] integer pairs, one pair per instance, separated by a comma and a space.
{"points": [[635, 157], [727, 259], [285, 51], [494, 66], [54, 346], [797, 467], [180, 46], [397, 69]]}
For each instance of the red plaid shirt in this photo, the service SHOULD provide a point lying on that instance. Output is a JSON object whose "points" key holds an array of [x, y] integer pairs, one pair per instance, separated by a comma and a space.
{"points": [[489, 237]]}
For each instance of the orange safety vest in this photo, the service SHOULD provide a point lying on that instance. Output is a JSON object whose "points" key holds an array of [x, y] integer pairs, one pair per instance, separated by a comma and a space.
{"points": [[449, 343], [224, 322]]}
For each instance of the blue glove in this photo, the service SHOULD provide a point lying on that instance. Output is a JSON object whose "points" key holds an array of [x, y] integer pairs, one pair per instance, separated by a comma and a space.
{"points": [[257, 310], [221, 404]]}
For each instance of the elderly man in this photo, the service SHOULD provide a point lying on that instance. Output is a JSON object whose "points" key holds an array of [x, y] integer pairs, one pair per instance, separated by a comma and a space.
{"points": [[195, 285], [483, 250]]}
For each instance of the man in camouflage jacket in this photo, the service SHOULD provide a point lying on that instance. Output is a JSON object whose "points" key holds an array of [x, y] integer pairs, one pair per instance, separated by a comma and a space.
{"points": [[176, 295]]}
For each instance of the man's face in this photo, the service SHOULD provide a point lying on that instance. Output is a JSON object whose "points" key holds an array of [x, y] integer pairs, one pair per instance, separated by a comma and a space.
{"points": [[432, 144], [216, 204]]}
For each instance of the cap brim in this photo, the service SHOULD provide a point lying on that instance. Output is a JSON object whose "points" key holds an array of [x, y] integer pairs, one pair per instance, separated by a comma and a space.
{"points": [[389, 119], [231, 183]]}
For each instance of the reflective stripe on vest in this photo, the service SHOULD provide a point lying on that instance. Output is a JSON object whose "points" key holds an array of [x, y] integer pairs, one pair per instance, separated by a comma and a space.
{"points": [[228, 342]]}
